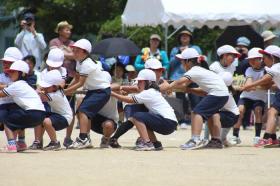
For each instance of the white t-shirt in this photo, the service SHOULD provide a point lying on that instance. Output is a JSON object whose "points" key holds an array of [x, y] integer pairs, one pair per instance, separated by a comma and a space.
{"points": [[231, 106], [257, 94], [155, 103], [24, 96], [274, 71], [4, 79], [95, 76], [110, 110], [208, 81], [60, 105], [62, 71], [218, 68]]}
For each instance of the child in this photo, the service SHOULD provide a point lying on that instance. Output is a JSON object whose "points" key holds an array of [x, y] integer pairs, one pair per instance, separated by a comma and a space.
{"points": [[160, 118], [252, 100], [29, 112], [31, 78], [61, 114], [90, 75], [271, 57], [209, 82]]}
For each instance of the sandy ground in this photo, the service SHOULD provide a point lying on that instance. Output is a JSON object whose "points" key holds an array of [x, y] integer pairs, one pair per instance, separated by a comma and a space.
{"points": [[242, 165]]}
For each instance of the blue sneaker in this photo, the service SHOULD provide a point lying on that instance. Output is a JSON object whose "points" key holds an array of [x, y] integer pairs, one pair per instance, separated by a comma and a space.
{"points": [[191, 144]]}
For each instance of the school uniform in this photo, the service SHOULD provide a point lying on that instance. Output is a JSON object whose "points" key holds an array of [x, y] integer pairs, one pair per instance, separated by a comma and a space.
{"points": [[60, 113], [217, 91], [274, 72], [98, 87], [229, 114], [252, 99], [29, 111], [161, 117], [217, 68]]}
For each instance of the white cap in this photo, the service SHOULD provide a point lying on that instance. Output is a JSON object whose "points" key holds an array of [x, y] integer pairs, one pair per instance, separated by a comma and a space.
{"points": [[130, 68], [268, 35], [55, 58], [52, 77], [254, 53], [19, 65], [146, 74], [188, 53], [83, 44], [153, 63], [12, 54], [227, 49], [271, 50], [227, 77]]}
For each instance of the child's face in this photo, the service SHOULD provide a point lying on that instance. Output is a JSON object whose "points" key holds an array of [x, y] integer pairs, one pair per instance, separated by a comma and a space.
{"points": [[79, 54], [31, 66], [141, 85], [187, 65], [6, 65], [158, 73], [268, 60], [227, 59], [256, 63], [14, 75]]}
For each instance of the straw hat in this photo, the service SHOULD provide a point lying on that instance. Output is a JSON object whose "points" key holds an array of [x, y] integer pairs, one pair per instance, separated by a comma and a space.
{"points": [[62, 24]]}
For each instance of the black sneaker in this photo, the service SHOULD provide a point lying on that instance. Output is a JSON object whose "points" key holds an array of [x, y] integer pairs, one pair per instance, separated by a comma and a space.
{"points": [[53, 146], [67, 142], [36, 145], [114, 143], [214, 144], [157, 145]]}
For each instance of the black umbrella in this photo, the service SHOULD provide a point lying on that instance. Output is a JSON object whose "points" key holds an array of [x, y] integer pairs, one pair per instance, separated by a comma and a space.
{"points": [[232, 33], [112, 47]]}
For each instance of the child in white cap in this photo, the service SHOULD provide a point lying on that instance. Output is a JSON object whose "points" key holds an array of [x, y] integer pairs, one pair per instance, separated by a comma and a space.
{"points": [[29, 111], [271, 57], [217, 93], [160, 118], [90, 75]]}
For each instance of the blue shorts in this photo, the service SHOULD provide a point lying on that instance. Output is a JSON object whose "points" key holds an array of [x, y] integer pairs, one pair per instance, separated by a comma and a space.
{"points": [[276, 103], [210, 105], [228, 119], [129, 110], [250, 104], [4, 110], [97, 121], [156, 122], [21, 119], [94, 101], [58, 121]]}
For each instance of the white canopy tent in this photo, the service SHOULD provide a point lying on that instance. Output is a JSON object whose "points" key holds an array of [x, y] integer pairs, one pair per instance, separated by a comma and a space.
{"points": [[197, 13]]}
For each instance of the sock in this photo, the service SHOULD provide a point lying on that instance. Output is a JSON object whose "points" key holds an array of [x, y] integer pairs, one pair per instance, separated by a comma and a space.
{"points": [[216, 139], [273, 136], [196, 138], [12, 142], [123, 128], [83, 136], [21, 139], [258, 129], [236, 132], [224, 133], [267, 135]]}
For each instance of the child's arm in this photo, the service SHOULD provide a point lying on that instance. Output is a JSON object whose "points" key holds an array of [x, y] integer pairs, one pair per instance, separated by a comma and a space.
{"points": [[129, 89], [166, 86], [197, 91], [115, 87], [44, 97], [81, 81], [126, 99], [265, 80], [2, 94]]}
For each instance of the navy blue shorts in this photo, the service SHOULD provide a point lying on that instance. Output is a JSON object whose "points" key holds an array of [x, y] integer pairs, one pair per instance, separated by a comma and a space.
{"points": [[58, 121], [97, 121], [156, 122], [94, 101], [228, 119], [21, 119], [276, 103], [250, 104], [47, 106], [210, 105], [129, 110], [4, 110]]}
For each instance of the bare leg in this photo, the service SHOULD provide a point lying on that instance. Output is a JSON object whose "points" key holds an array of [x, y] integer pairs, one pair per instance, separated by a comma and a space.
{"points": [[9, 133], [38, 132], [271, 120], [152, 135], [141, 128], [84, 122], [216, 126], [108, 128], [50, 130], [197, 122], [242, 110], [69, 129]]}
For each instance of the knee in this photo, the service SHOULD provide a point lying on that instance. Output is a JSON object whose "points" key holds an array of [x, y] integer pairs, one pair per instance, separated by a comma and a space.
{"points": [[47, 122], [108, 125]]}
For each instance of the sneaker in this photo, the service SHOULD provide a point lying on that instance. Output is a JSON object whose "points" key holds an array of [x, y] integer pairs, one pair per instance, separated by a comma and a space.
{"points": [[264, 142], [183, 126], [10, 148], [53, 146], [82, 144], [234, 140], [157, 145], [139, 141], [214, 144], [21, 146], [67, 142], [144, 146], [191, 144], [256, 140], [114, 143], [273, 144], [104, 142], [36, 145]]}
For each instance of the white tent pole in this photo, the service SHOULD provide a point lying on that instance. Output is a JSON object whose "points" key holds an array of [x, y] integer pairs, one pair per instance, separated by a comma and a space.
{"points": [[166, 37], [174, 32], [268, 98], [137, 30]]}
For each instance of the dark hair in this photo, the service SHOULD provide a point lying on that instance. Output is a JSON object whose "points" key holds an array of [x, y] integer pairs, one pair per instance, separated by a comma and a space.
{"points": [[151, 84], [197, 62], [276, 59], [21, 76], [30, 58]]}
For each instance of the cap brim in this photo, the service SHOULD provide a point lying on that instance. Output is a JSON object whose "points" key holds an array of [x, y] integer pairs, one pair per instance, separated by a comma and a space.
{"points": [[139, 79], [179, 56], [264, 52], [44, 84], [269, 38], [10, 59], [54, 64]]}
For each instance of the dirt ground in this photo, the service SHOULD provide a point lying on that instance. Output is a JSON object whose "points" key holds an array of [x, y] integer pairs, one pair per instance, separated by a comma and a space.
{"points": [[241, 165]]}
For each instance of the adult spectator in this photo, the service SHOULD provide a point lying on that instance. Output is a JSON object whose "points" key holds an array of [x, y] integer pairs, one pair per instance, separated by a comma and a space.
{"points": [[268, 38]]}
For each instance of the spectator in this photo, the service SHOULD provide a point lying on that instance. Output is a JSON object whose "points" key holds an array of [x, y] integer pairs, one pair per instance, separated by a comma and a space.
{"points": [[268, 38], [29, 41]]}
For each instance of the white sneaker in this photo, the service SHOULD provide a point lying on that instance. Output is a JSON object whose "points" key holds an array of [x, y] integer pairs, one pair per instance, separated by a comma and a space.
{"points": [[183, 126], [256, 140], [234, 140], [191, 145], [82, 144]]}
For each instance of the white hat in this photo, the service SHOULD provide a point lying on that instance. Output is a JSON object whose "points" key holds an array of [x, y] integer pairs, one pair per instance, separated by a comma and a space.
{"points": [[254, 53], [130, 68], [52, 77], [268, 35], [227, 49], [146, 74], [188, 53], [83, 44], [12, 54], [19, 65], [55, 58], [227, 77], [153, 63], [271, 50]]}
